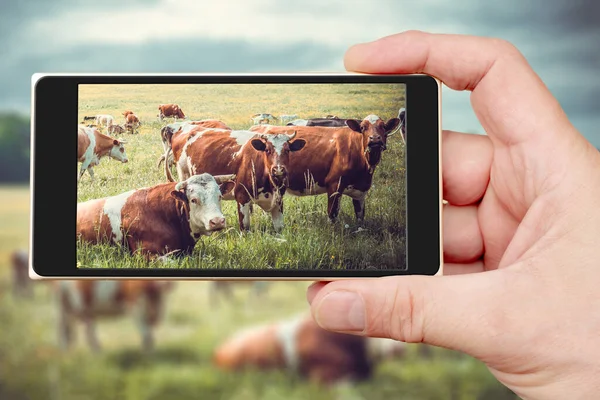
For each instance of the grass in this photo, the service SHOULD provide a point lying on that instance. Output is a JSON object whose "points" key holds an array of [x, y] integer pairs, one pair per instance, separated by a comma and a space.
{"points": [[32, 367], [308, 241]]}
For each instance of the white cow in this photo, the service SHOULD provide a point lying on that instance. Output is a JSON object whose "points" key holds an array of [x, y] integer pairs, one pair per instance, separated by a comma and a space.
{"points": [[93, 145]]}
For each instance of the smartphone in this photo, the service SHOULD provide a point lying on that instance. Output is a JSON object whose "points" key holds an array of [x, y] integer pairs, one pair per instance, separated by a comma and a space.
{"points": [[235, 176]]}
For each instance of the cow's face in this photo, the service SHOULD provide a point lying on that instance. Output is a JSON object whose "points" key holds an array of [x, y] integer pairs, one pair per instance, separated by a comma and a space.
{"points": [[276, 149], [374, 131], [202, 196], [179, 113], [118, 151]]}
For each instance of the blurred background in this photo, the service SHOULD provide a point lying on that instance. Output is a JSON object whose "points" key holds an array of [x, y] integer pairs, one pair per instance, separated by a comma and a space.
{"points": [[561, 40]]}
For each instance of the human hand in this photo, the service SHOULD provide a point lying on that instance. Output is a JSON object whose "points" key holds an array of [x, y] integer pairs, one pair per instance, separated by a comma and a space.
{"points": [[521, 230]]}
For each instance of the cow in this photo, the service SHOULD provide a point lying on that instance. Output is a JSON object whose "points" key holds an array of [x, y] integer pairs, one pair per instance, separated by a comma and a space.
{"points": [[92, 146], [284, 118], [159, 220], [116, 129], [22, 285], [170, 110], [402, 118], [262, 117], [331, 122], [126, 113], [89, 118], [337, 161], [260, 163], [181, 128], [90, 300], [104, 120], [299, 346], [132, 122]]}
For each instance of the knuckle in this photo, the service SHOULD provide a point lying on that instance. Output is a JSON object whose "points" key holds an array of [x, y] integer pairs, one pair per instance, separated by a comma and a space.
{"points": [[404, 313]]}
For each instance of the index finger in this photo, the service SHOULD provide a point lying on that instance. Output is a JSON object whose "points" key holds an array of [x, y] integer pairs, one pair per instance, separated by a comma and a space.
{"points": [[510, 100]]}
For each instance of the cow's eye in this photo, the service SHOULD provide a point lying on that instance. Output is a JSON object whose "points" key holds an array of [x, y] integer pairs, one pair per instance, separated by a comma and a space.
{"points": [[194, 201]]}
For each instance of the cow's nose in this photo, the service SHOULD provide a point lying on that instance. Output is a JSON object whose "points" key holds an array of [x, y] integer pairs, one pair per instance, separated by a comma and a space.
{"points": [[125, 160], [375, 138], [278, 170], [217, 223]]}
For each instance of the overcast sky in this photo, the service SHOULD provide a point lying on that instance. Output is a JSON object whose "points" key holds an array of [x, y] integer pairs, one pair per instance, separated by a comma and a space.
{"points": [[561, 40]]}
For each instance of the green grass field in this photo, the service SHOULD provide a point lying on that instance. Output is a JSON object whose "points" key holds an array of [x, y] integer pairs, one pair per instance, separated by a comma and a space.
{"points": [[32, 367], [308, 241]]}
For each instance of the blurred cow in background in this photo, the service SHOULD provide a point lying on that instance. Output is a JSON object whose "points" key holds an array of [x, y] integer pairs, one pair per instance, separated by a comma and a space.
{"points": [[224, 288], [22, 285], [258, 119], [300, 346], [90, 300]]}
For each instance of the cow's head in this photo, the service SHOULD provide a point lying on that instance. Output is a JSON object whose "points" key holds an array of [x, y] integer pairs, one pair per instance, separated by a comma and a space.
{"points": [[179, 113], [118, 151], [201, 195], [375, 133], [276, 149]]}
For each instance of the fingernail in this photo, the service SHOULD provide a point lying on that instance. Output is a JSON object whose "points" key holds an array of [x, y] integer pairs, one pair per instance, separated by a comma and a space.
{"points": [[341, 311]]}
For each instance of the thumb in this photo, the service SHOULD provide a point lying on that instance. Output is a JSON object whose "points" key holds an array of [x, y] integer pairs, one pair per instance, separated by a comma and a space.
{"points": [[459, 312]]}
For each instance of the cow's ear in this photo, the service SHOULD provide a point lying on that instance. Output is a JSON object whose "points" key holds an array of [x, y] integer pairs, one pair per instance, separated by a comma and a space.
{"points": [[391, 125], [354, 125], [226, 187], [297, 144], [258, 144], [178, 195]]}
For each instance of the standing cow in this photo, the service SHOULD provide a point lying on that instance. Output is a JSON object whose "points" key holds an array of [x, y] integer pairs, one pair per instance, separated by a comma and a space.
{"points": [[89, 300], [157, 220], [260, 163], [132, 122], [104, 120], [182, 128], [337, 161], [170, 110], [92, 146]]}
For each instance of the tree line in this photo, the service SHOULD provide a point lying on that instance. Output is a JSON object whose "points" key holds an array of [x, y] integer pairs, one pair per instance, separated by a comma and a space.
{"points": [[14, 148]]}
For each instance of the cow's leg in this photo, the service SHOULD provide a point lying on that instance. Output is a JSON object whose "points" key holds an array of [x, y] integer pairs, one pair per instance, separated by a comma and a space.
{"points": [[277, 216], [141, 313], [84, 166], [65, 327], [359, 208], [91, 171], [333, 202], [244, 214], [90, 331]]}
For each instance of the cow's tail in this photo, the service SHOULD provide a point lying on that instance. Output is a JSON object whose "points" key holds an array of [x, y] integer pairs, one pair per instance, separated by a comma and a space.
{"points": [[167, 169]]}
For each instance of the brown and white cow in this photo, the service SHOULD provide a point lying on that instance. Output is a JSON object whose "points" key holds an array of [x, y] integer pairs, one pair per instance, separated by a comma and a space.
{"points": [[90, 300], [92, 146], [157, 220], [116, 129], [337, 161], [22, 284], [298, 345], [260, 163], [170, 110], [181, 128], [132, 122]]}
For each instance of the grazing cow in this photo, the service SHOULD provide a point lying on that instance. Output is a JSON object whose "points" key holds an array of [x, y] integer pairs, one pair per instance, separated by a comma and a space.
{"points": [[182, 128], [89, 300], [337, 161], [301, 347], [331, 122], [284, 118], [105, 120], [20, 272], [132, 122], [262, 117], [170, 110], [93, 145], [260, 163], [166, 218], [116, 129], [217, 288], [402, 117]]}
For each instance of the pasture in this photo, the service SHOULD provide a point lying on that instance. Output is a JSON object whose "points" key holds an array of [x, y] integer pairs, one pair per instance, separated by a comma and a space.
{"points": [[32, 367], [308, 240]]}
